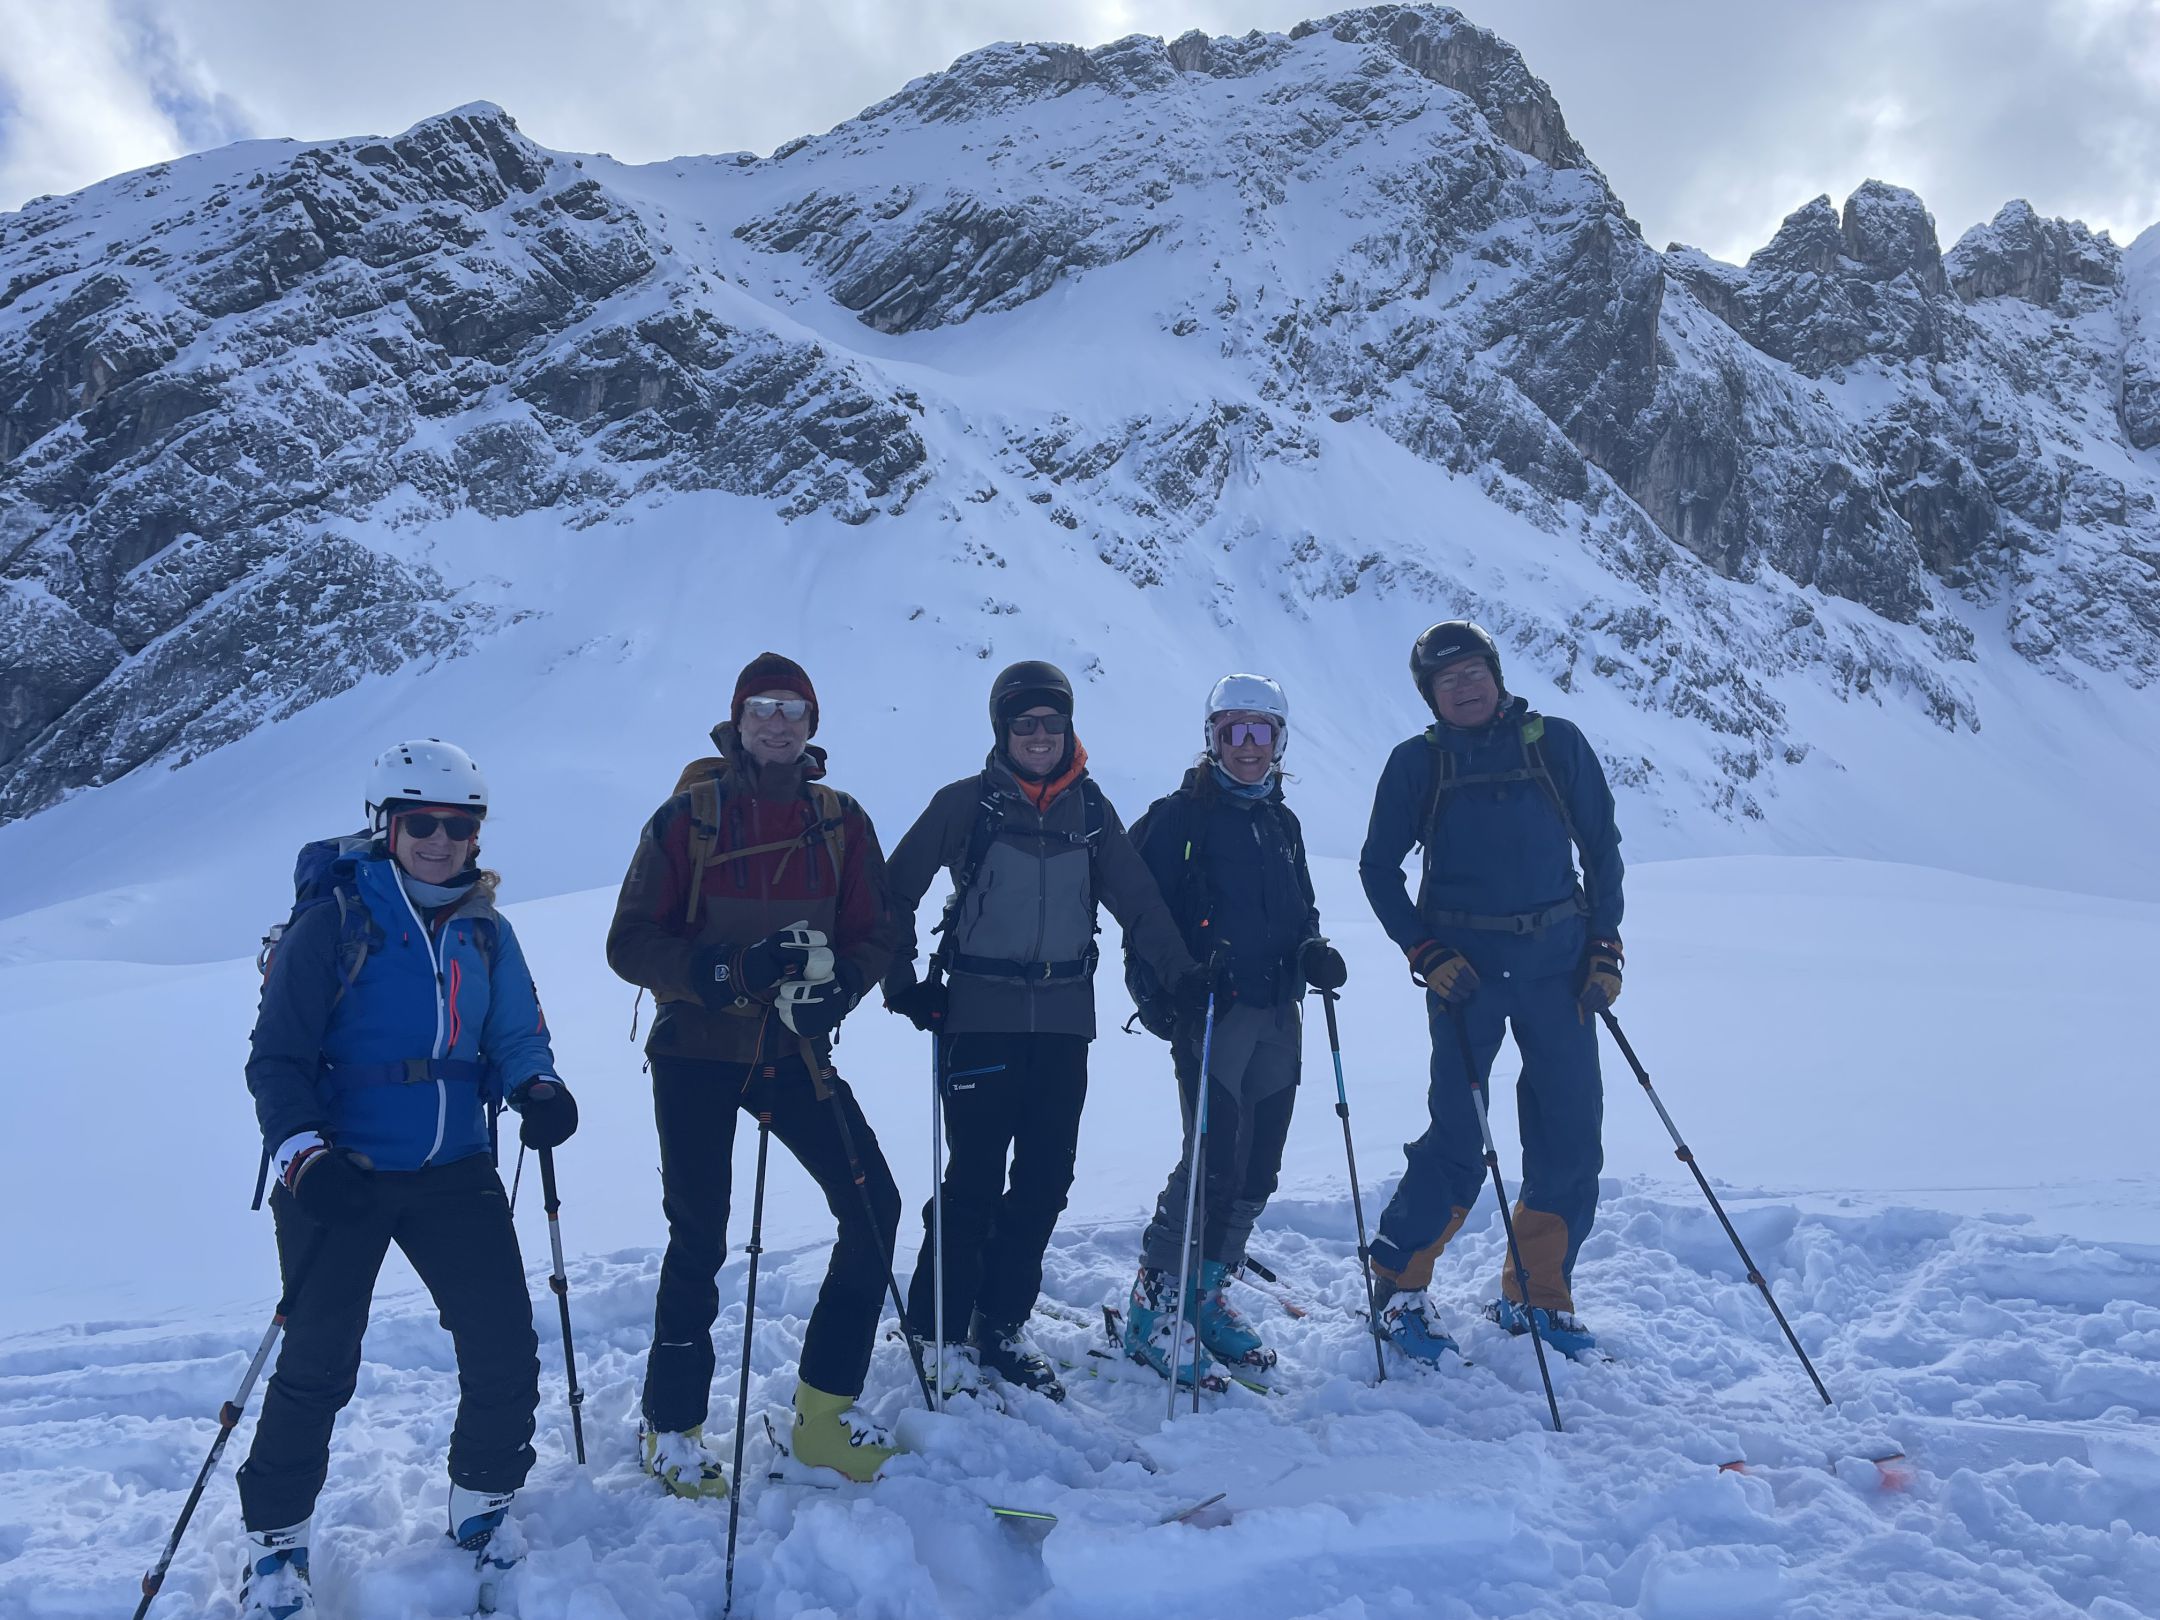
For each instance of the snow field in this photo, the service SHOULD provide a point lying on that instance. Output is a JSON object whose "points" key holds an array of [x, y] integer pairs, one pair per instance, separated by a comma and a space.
{"points": [[1946, 1183]]}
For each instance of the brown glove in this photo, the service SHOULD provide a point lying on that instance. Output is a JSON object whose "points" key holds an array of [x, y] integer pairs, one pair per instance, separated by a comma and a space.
{"points": [[1601, 979]]}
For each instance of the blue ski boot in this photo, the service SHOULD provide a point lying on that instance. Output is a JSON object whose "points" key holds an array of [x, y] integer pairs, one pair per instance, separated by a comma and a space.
{"points": [[1227, 1336], [480, 1524], [1407, 1320], [274, 1581], [1149, 1315], [1563, 1330]]}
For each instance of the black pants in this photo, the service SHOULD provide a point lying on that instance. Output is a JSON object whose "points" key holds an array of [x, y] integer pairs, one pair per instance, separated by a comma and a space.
{"points": [[1017, 1092], [453, 1223], [695, 1103]]}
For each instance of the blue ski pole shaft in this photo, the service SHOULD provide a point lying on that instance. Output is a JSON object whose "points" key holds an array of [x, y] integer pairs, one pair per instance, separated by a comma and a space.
{"points": [[1357, 1199]]}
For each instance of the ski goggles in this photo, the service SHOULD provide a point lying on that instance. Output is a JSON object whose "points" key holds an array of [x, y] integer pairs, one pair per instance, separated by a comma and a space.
{"points": [[1051, 725], [423, 823], [1245, 733], [793, 710]]}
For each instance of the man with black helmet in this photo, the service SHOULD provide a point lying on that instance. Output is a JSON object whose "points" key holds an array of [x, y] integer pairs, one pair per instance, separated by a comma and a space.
{"points": [[1033, 847], [1504, 935]]}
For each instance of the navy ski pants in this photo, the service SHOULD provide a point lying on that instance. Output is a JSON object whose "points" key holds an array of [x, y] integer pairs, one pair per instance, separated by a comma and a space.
{"points": [[1560, 1110]]}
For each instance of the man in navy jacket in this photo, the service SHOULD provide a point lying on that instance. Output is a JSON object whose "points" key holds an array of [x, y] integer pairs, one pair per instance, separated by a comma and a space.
{"points": [[1503, 935]]}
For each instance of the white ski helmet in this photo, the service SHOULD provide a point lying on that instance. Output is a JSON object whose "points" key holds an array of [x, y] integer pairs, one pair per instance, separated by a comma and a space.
{"points": [[1253, 694], [424, 771]]}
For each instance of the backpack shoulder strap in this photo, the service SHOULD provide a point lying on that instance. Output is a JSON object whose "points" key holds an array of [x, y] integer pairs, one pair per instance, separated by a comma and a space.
{"points": [[831, 806], [1533, 747], [1443, 775], [704, 839], [989, 814]]}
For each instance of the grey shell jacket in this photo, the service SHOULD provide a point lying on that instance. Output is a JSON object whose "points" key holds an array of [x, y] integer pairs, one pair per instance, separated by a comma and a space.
{"points": [[1033, 900]]}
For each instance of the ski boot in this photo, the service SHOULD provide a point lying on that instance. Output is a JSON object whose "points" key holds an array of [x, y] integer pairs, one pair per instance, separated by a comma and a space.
{"points": [[832, 1432], [962, 1372], [1011, 1358], [479, 1523], [1563, 1330], [1228, 1337], [274, 1580], [1407, 1320], [681, 1461], [1148, 1319]]}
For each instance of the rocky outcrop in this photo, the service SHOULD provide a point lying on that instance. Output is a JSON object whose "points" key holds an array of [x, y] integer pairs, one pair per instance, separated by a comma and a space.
{"points": [[2055, 263]]}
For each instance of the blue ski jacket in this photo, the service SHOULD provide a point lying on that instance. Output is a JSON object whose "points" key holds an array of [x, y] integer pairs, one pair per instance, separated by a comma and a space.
{"points": [[1498, 849], [403, 1063]]}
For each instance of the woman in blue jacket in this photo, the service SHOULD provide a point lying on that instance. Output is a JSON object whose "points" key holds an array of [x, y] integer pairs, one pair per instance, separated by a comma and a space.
{"points": [[397, 1017]]}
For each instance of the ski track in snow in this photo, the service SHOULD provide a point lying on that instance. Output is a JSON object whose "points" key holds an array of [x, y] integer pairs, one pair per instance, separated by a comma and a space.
{"points": [[2019, 1371]]}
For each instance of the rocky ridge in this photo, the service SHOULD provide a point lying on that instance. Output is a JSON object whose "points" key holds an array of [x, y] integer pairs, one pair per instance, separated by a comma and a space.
{"points": [[239, 389]]}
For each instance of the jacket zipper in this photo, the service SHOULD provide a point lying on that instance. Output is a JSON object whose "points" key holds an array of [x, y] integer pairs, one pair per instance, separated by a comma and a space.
{"points": [[442, 1094]]}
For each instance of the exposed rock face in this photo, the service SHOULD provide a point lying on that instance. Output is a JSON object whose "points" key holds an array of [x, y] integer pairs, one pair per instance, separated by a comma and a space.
{"points": [[241, 390]]}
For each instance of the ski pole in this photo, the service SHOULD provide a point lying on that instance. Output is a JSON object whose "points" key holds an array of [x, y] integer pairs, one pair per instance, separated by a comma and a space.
{"points": [[517, 1177], [1357, 1200], [1507, 1220], [559, 1281], [937, 1214], [1686, 1155], [752, 1250], [229, 1416], [821, 1082], [1192, 1191]]}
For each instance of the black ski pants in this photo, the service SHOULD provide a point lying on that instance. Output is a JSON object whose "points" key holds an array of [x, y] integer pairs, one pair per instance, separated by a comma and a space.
{"points": [[453, 1223], [1003, 1093], [696, 1102]]}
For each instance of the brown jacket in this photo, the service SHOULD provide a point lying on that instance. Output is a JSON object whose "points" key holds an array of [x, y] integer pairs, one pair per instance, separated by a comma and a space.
{"points": [[828, 872], [1033, 899]]}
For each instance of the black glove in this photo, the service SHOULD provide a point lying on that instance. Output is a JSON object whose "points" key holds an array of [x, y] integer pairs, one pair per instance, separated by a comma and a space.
{"points": [[796, 952], [1601, 978], [547, 1113], [922, 1003], [1445, 971], [814, 1011], [1322, 965], [1190, 994], [333, 1185]]}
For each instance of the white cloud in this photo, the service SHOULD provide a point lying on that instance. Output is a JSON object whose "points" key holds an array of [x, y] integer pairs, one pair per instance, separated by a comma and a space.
{"points": [[76, 103]]}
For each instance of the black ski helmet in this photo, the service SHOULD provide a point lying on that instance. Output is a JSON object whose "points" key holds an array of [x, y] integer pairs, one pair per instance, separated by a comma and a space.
{"points": [[1028, 684], [1446, 642]]}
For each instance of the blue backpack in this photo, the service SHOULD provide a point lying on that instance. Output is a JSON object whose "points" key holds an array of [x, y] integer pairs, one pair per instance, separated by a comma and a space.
{"points": [[315, 883]]}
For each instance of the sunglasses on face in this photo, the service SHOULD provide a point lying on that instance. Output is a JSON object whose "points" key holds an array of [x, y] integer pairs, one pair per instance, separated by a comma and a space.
{"points": [[422, 824], [1026, 725], [789, 709], [1241, 733], [1455, 680]]}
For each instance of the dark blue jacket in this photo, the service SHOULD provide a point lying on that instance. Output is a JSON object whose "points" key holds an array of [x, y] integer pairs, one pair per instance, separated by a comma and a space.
{"points": [[439, 1023], [1499, 849], [1233, 873]]}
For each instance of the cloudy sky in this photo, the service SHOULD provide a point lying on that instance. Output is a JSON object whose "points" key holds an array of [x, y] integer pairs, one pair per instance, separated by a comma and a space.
{"points": [[1713, 118]]}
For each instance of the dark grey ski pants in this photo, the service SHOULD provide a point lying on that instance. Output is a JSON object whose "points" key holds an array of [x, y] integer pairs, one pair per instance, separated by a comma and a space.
{"points": [[1253, 1079]]}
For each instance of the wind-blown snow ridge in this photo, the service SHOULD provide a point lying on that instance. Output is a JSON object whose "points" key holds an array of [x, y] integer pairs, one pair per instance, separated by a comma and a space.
{"points": [[1348, 307]]}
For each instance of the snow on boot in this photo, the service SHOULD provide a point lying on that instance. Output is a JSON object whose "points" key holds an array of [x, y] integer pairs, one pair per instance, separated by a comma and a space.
{"points": [[1407, 1320], [1563, 1330], [681, 1461], [274, 1581], [1010, 1357], [962, 1375], [1229, 1338], [1149, 1316], [479, 1523], [832, 1432]]}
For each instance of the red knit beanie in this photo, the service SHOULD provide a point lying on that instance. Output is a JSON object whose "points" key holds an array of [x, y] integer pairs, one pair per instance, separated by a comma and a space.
{"points": [[769, 672]]}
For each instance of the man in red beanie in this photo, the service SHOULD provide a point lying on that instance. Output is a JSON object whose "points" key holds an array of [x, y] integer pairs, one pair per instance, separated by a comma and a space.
{"points": [[756, 911]]}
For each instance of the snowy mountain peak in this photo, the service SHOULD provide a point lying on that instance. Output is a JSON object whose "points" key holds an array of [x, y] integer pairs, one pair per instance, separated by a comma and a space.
{"points": [[1278, 327]]}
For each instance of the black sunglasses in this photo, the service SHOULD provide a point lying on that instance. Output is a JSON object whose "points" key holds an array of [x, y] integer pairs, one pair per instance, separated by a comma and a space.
{"points": [[422, 824], [1026, 725]]}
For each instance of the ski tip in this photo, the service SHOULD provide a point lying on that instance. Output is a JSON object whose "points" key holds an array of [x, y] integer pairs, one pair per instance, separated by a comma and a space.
{"points": [[1026, 1523], [1185, 1515]]}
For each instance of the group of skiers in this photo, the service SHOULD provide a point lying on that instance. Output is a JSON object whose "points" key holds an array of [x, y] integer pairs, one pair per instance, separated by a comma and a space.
{"points": [[398, 1019]]}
